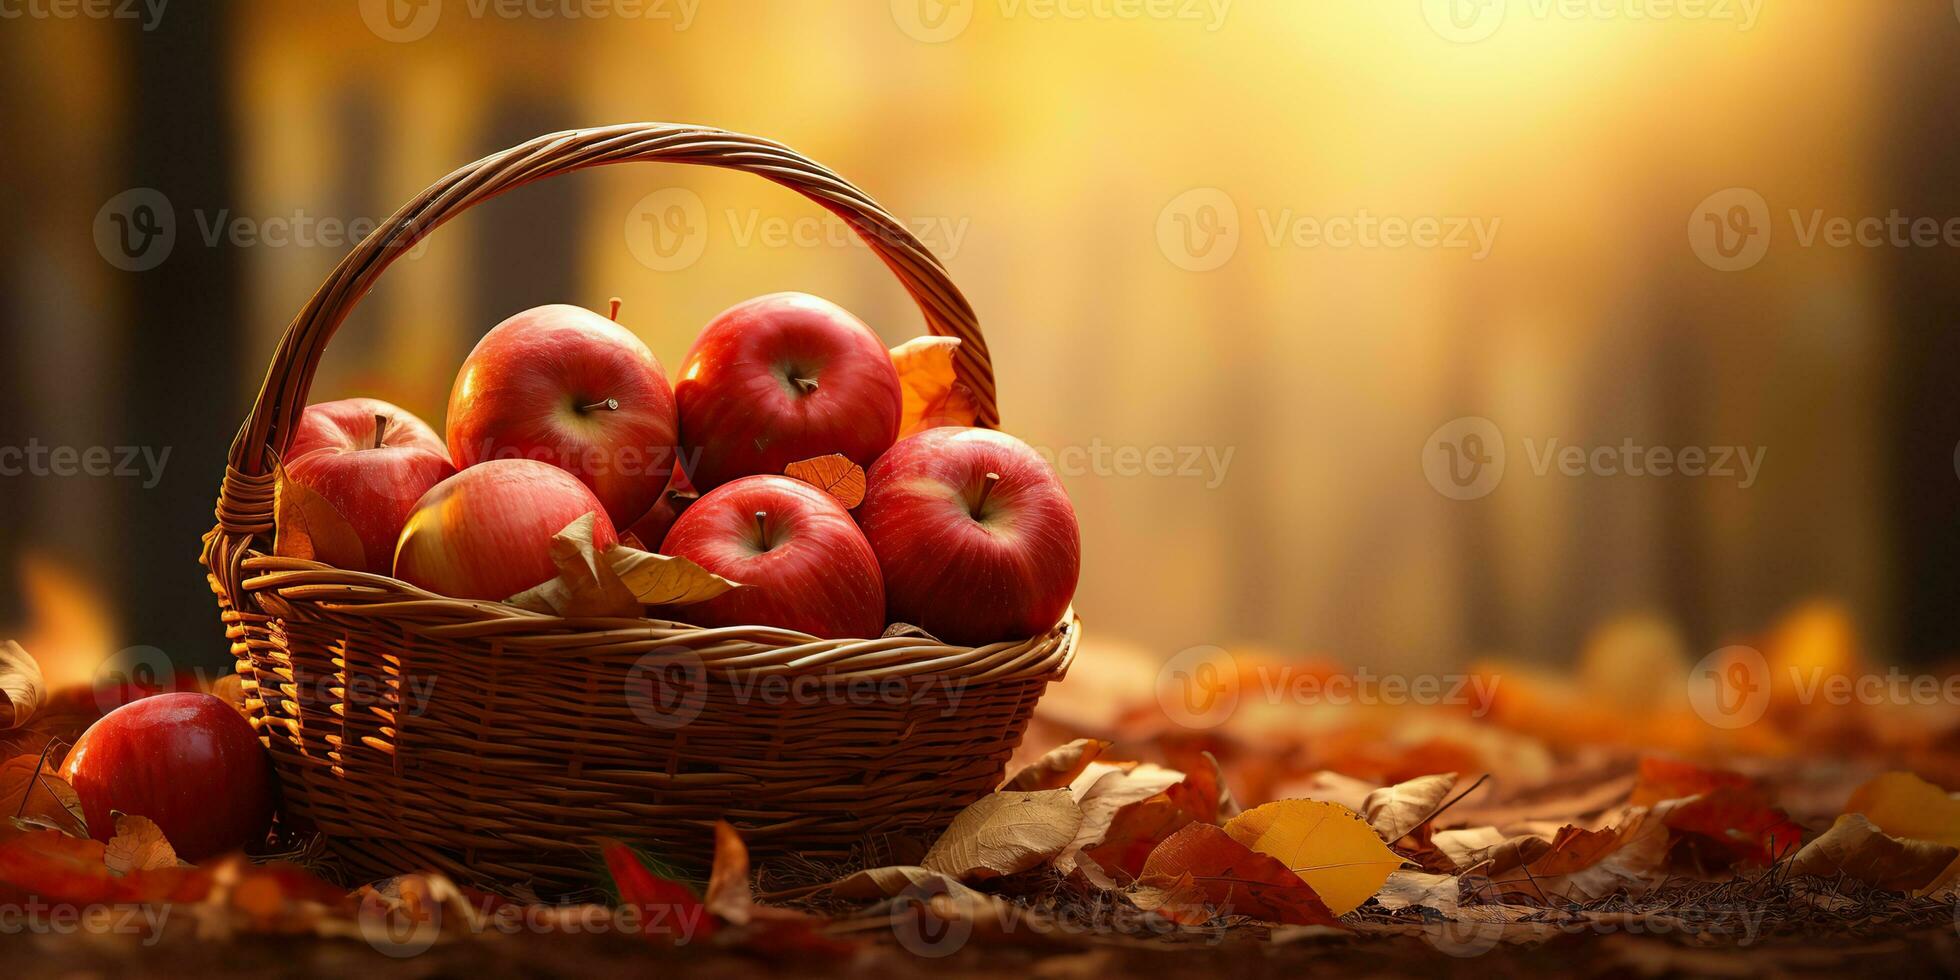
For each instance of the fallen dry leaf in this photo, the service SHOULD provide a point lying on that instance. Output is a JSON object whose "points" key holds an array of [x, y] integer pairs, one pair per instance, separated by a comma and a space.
{"points": [[1328, 845], [1203, 860], [1905, 806], [666, 912], [1058, 767], [34, 795], [1854, 847], [1004, 833], [21, 686], [932, 395], [1102, 791], [728, 895], [834, 474], [1395, 810], [138, 845]]}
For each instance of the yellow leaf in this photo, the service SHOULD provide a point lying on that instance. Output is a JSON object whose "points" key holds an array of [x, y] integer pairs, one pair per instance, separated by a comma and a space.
{"points": [[1326, 844], [21, 686], [666, 580], [1005, 833], [1854, 847], [139, 845], [834, 474], [617, 583], [1905, 806], [932, 394]]}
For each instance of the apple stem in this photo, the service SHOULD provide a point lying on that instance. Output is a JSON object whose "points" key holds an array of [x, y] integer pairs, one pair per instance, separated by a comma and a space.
{"points": [[380, 429], [610, 405], [762, 532], [986, 490], [614, 314], [807, 384]]}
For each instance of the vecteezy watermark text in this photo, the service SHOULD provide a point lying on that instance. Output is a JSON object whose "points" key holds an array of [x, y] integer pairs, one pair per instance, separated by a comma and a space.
{"points": [[37, 458], [1201, 230], [403, 21], [938, 21], [1466, 458], [149, 12], [1203, 687]]}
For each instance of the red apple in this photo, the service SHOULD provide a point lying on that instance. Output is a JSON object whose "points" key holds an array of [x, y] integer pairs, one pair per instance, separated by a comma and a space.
{"points": [[783, 378], [806, 565], [486, 532], [566, 386], [187, 761], [652, 529], [371, 461], [974, 533]]}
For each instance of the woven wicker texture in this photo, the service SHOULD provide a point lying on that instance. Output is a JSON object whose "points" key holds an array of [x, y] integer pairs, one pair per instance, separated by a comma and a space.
{"points": [[493, 744]]}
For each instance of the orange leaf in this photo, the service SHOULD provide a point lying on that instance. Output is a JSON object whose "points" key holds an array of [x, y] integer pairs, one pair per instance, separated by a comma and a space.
{"points": [[1573, 849], [834, 474], [1670, 779], [139, 845], [311, 528], [667, 912], [728, 884], [1233, 877], [932, 394]]}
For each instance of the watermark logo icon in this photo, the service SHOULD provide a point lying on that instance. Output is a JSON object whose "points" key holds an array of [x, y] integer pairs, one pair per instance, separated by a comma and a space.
{"points": [[667, 230], [1199, 688], [1464, 458], [1730, 229], [399, 929], [1464, 21], [668, 688], [919, 926], [401, 21], [1730, 688], [136, 230], [932, 21], [1199, 229], [131, 674]]}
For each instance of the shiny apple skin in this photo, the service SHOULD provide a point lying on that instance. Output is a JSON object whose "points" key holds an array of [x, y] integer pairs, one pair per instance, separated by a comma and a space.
{"points": [[187, 761], [529, 391], [486, 532], [1006, 574], [334, 453], [807, 569], [652, 529], [742, 411]]}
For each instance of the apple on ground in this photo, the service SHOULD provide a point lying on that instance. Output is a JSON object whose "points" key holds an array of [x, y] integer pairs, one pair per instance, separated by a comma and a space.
{"points": [[370, 461], [566, 386], [974, 533], [782, 378], [486, 532], [806, 565], [187, 761]]}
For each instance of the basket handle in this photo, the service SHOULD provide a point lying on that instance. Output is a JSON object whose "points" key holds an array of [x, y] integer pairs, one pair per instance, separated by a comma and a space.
{"points": [[294, 362]]}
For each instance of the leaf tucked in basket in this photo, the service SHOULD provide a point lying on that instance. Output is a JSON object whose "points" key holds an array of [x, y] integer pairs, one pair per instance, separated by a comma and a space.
{"points": [[834, 474], [311, 528], [21, 686], [617, 583], [932, 396]]}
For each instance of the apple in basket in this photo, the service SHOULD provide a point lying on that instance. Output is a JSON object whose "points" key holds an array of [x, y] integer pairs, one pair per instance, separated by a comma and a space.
{"points": [[486, 532], [806, 564], [974, 533], [782, 378], [187, 761], [566, 386], [370, 461]]}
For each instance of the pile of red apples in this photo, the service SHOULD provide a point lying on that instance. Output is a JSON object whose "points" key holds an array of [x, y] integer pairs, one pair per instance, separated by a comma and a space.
{"points": [[560, 412]]}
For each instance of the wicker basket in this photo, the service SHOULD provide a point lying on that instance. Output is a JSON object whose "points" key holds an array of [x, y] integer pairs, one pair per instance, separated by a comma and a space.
{"points": [[490, 743]]}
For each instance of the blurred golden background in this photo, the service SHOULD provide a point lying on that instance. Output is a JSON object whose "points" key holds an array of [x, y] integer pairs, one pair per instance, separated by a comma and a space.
{"points": [[1179, 224]]}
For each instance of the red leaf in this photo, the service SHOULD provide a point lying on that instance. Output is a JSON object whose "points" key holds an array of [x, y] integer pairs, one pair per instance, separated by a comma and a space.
{"points": [[667, 912], [1232, 877]]}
